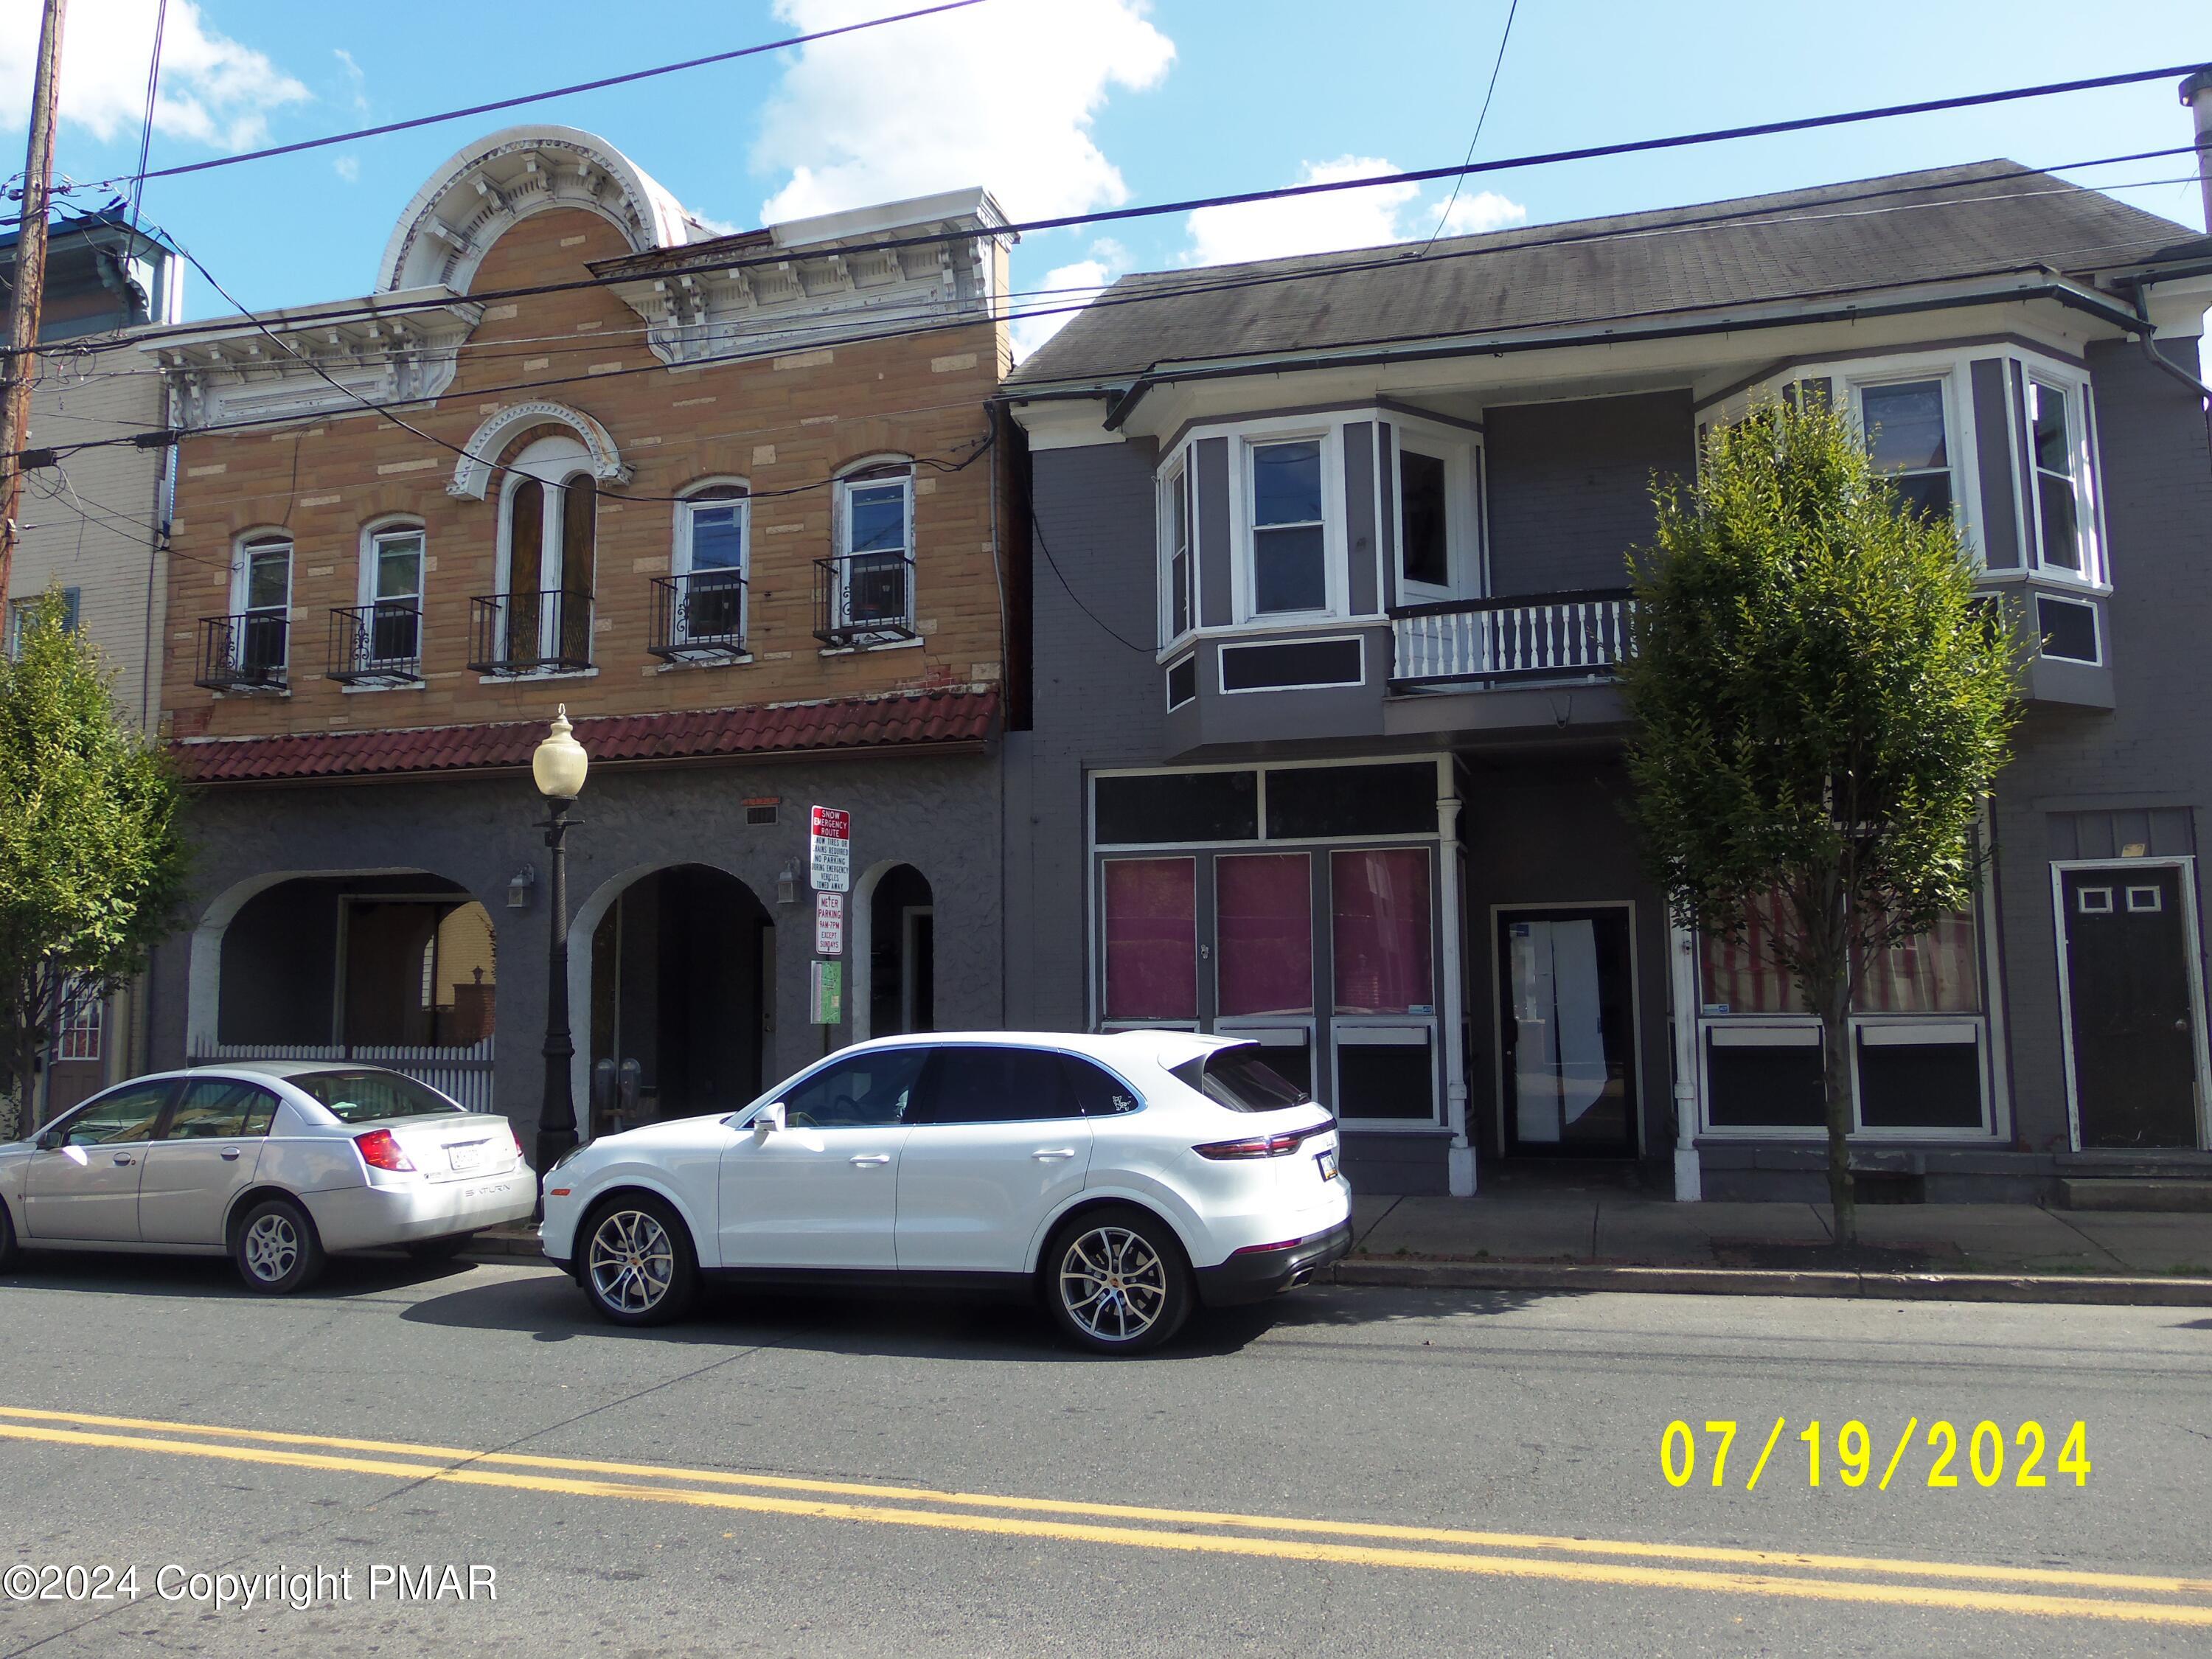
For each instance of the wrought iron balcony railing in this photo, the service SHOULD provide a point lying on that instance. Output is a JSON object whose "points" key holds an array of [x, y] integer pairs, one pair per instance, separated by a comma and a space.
{"points": [[1578, 635], [530, 632], [249, 651], [379, 644], [864, 599], [699, 617]]}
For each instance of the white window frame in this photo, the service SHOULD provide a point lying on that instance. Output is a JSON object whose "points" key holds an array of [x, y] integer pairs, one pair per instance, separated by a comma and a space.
{"points": [[1175, 480], [1328, 433], [554, 462], [373, 535], [1466, 576], [244, 547], [2081, 459], [847, 481], [1958, 430], [696, 496]]}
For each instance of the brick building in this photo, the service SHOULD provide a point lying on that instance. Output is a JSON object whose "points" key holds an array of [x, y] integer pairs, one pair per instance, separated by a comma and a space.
{"points": [[735, 500]]}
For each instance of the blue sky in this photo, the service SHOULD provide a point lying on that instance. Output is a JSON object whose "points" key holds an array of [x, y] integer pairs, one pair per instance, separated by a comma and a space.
{"points": [[1065, 104]]}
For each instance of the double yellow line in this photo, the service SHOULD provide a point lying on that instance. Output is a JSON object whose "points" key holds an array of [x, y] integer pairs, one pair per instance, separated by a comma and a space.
{"points": [[1958, 1586]]}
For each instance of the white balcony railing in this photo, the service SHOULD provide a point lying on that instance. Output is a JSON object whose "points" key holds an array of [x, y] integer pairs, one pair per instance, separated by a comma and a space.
{"points": [[1531, 637]]}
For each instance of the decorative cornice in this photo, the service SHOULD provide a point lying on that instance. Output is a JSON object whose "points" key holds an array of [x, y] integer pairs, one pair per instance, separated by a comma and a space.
{"points": [[472, 472]]}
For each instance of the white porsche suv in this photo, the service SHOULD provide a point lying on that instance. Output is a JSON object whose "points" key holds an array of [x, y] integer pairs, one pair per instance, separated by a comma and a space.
{"points": [[1124, 1176]]}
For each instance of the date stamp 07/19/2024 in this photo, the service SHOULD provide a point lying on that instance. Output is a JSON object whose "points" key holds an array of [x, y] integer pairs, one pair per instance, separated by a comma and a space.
{"points": [[1988, 1453]]}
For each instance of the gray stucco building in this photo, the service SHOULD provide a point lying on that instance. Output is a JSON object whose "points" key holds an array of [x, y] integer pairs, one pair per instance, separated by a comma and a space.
{"points": [[1330, 555]]}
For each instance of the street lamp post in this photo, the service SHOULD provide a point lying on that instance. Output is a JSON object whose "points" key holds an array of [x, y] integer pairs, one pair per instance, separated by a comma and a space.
{"points": [[558, 766]]}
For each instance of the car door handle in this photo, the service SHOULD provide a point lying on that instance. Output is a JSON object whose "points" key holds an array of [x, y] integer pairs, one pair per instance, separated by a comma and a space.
{"points": [[1052, 1154], [230, 1154], [872, 1158], [123, 1157]]}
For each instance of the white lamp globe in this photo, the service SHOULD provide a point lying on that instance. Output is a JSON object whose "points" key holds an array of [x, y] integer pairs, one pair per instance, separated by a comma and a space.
{"points": [[559, 763]]}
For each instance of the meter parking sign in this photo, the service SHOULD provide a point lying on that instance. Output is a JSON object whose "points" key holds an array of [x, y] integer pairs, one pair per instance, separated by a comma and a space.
{"points": [[829, 859]]}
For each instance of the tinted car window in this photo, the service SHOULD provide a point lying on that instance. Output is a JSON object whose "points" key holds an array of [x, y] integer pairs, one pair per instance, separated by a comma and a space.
{"points": [[372, 1096], [997, 1086], [1239, 1079], [127, 1115], [219, 1108], [1097, 1091], [865, 1091]]}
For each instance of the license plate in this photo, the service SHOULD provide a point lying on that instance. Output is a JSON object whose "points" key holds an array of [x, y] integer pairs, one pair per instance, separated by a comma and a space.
{"points": [[466, 1157], [1328, 1162]]}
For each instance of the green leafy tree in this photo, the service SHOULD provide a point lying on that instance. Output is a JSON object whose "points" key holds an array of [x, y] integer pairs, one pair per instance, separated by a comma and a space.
{"points": [[1820, 707], [92, 854]]}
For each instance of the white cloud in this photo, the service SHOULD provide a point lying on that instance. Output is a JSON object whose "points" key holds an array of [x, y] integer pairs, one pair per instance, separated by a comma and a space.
{"points": [[214, 91], [1001, 96], [1064, 289], [347, 168], [1326, 223], [355, 78]]}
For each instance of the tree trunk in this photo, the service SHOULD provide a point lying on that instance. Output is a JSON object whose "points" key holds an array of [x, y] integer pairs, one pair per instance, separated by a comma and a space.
{"points": [[1836, 1087]]}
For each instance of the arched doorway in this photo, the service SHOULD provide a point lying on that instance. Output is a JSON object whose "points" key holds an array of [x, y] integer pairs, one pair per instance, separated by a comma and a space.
{"points": [[681, 978], [901, 947]]}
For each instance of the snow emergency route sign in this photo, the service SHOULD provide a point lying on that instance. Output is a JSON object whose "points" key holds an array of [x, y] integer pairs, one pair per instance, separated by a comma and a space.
{"points": [[829, 858]]}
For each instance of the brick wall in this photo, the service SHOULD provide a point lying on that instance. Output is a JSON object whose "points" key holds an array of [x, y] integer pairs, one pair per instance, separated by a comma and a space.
{"points": [[780, 424]]}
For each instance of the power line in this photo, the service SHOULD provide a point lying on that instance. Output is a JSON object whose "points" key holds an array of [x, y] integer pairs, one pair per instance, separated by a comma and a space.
{"points": [[526, 98], [1751, 217], [1108, 216], [145, 130], [1481, 115]]}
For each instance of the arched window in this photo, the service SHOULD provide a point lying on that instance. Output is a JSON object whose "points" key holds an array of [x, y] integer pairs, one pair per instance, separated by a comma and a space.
{"points": [[868, 599], [541, 618], [708, 569]]}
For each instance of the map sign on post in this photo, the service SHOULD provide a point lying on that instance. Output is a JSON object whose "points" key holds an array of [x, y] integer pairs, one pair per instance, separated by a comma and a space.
{"points": [[829, 924], [829, 858], [826, 994]]}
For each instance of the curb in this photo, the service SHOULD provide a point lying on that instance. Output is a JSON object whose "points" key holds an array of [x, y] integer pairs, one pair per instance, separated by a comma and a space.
{"points": [[1731, 1281]]}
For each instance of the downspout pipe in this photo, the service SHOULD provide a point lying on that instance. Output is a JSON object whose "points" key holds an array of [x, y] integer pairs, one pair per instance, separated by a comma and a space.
{"points": [[2165, 364]]}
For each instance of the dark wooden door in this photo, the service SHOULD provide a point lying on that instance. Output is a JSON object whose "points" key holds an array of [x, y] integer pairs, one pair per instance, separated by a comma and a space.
{"points": [[2130, 1006]]}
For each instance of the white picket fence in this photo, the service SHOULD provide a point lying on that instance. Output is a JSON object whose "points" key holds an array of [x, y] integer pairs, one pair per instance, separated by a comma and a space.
{"points": [[464, 1073]]}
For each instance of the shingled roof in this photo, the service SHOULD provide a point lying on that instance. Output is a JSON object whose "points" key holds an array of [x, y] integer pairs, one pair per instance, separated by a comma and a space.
{"points": [[1982, 219], [961, 716]]}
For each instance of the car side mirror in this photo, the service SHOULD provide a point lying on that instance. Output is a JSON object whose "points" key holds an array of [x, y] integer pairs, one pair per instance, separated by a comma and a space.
{"points": [[50, 1139], [769, 1117]]}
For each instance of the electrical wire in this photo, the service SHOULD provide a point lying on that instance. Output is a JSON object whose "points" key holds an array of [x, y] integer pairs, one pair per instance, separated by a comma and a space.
{"points": [[146, 131], [413, 122], [1481, 115], [663, 266]]}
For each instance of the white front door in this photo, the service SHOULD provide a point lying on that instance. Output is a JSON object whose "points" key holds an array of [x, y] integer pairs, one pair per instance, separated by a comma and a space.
{"points": [[821, 1191], [999, 1144]]}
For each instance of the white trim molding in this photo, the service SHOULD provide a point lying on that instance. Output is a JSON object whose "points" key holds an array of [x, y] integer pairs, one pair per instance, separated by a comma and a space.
{"points": [[472, 472]]}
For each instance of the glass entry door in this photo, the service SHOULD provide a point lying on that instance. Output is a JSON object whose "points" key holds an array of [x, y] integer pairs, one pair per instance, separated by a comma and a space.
{"points": [[1568, 1027]]}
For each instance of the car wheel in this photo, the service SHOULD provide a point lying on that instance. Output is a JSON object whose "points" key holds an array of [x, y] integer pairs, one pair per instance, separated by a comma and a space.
{"points": [[441, 1250], [638, 1265], [275, 1248], [1115, 1281]]}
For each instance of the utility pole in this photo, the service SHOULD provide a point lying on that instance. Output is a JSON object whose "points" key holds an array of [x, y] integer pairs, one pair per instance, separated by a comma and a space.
{"points": [[30, 284]]}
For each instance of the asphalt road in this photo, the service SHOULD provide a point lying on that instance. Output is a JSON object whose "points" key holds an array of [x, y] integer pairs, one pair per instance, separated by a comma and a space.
{"points": [[1348, 1471]]}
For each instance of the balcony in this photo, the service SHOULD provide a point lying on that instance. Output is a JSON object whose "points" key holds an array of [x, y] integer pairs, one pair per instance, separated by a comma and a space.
{"points": [[379, 644], [699, 618], [249, 651], [547, 633], [864, 599], [1528, 637]]}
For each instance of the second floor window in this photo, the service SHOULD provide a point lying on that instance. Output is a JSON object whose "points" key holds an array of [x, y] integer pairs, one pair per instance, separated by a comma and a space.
{"points": [[21, 611], [391, 584], [1908, 437], [876, 546], [264, 593], [548, 553], [1180, 570], [1290, 557], [2052, 428], [709, 562]]}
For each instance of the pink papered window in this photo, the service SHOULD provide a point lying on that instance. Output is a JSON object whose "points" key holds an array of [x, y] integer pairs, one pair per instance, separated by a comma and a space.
{"points": [[1935, 974], [1263, 915], [1379, 903], [1152, 939]]}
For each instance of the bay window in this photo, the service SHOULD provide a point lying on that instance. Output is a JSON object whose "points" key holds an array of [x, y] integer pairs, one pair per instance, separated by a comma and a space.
{"points": [[1289, 560], [2056, 442], [1907, 432], [1177, 612]]}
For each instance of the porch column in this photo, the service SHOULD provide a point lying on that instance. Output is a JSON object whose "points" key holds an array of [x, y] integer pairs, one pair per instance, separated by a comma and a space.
{"points": [[1682, 979], [1460, 1159]]}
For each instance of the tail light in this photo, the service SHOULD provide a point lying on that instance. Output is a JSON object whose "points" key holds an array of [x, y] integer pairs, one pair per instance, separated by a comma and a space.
{"points": [[380, 1152], [1279, 1146], [515, 1136]]}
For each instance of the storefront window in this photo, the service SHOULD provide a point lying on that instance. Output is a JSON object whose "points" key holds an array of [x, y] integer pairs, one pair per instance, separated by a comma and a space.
{"points": [[1379, 904], [1263, 910], [1151, 940], [1934, 974]]}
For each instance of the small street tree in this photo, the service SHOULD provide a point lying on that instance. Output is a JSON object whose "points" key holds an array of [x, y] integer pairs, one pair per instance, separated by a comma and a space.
{"points": [[1819, 709], [92, 856]]}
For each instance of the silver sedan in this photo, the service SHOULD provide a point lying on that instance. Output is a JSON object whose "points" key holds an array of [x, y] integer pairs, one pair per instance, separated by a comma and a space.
{"points": [[272, 1162]]}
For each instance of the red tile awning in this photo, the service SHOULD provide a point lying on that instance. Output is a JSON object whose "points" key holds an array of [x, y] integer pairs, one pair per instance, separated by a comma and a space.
{"points": [[964, 717]]}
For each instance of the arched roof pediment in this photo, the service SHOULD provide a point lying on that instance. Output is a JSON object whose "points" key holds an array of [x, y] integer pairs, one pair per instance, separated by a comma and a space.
{"points": [[495, 182], [472, 471]]}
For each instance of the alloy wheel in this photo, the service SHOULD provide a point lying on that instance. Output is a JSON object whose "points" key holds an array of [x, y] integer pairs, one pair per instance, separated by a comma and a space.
{"points": [[632, 1261], [272, 1247], [1113, 1284]]}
